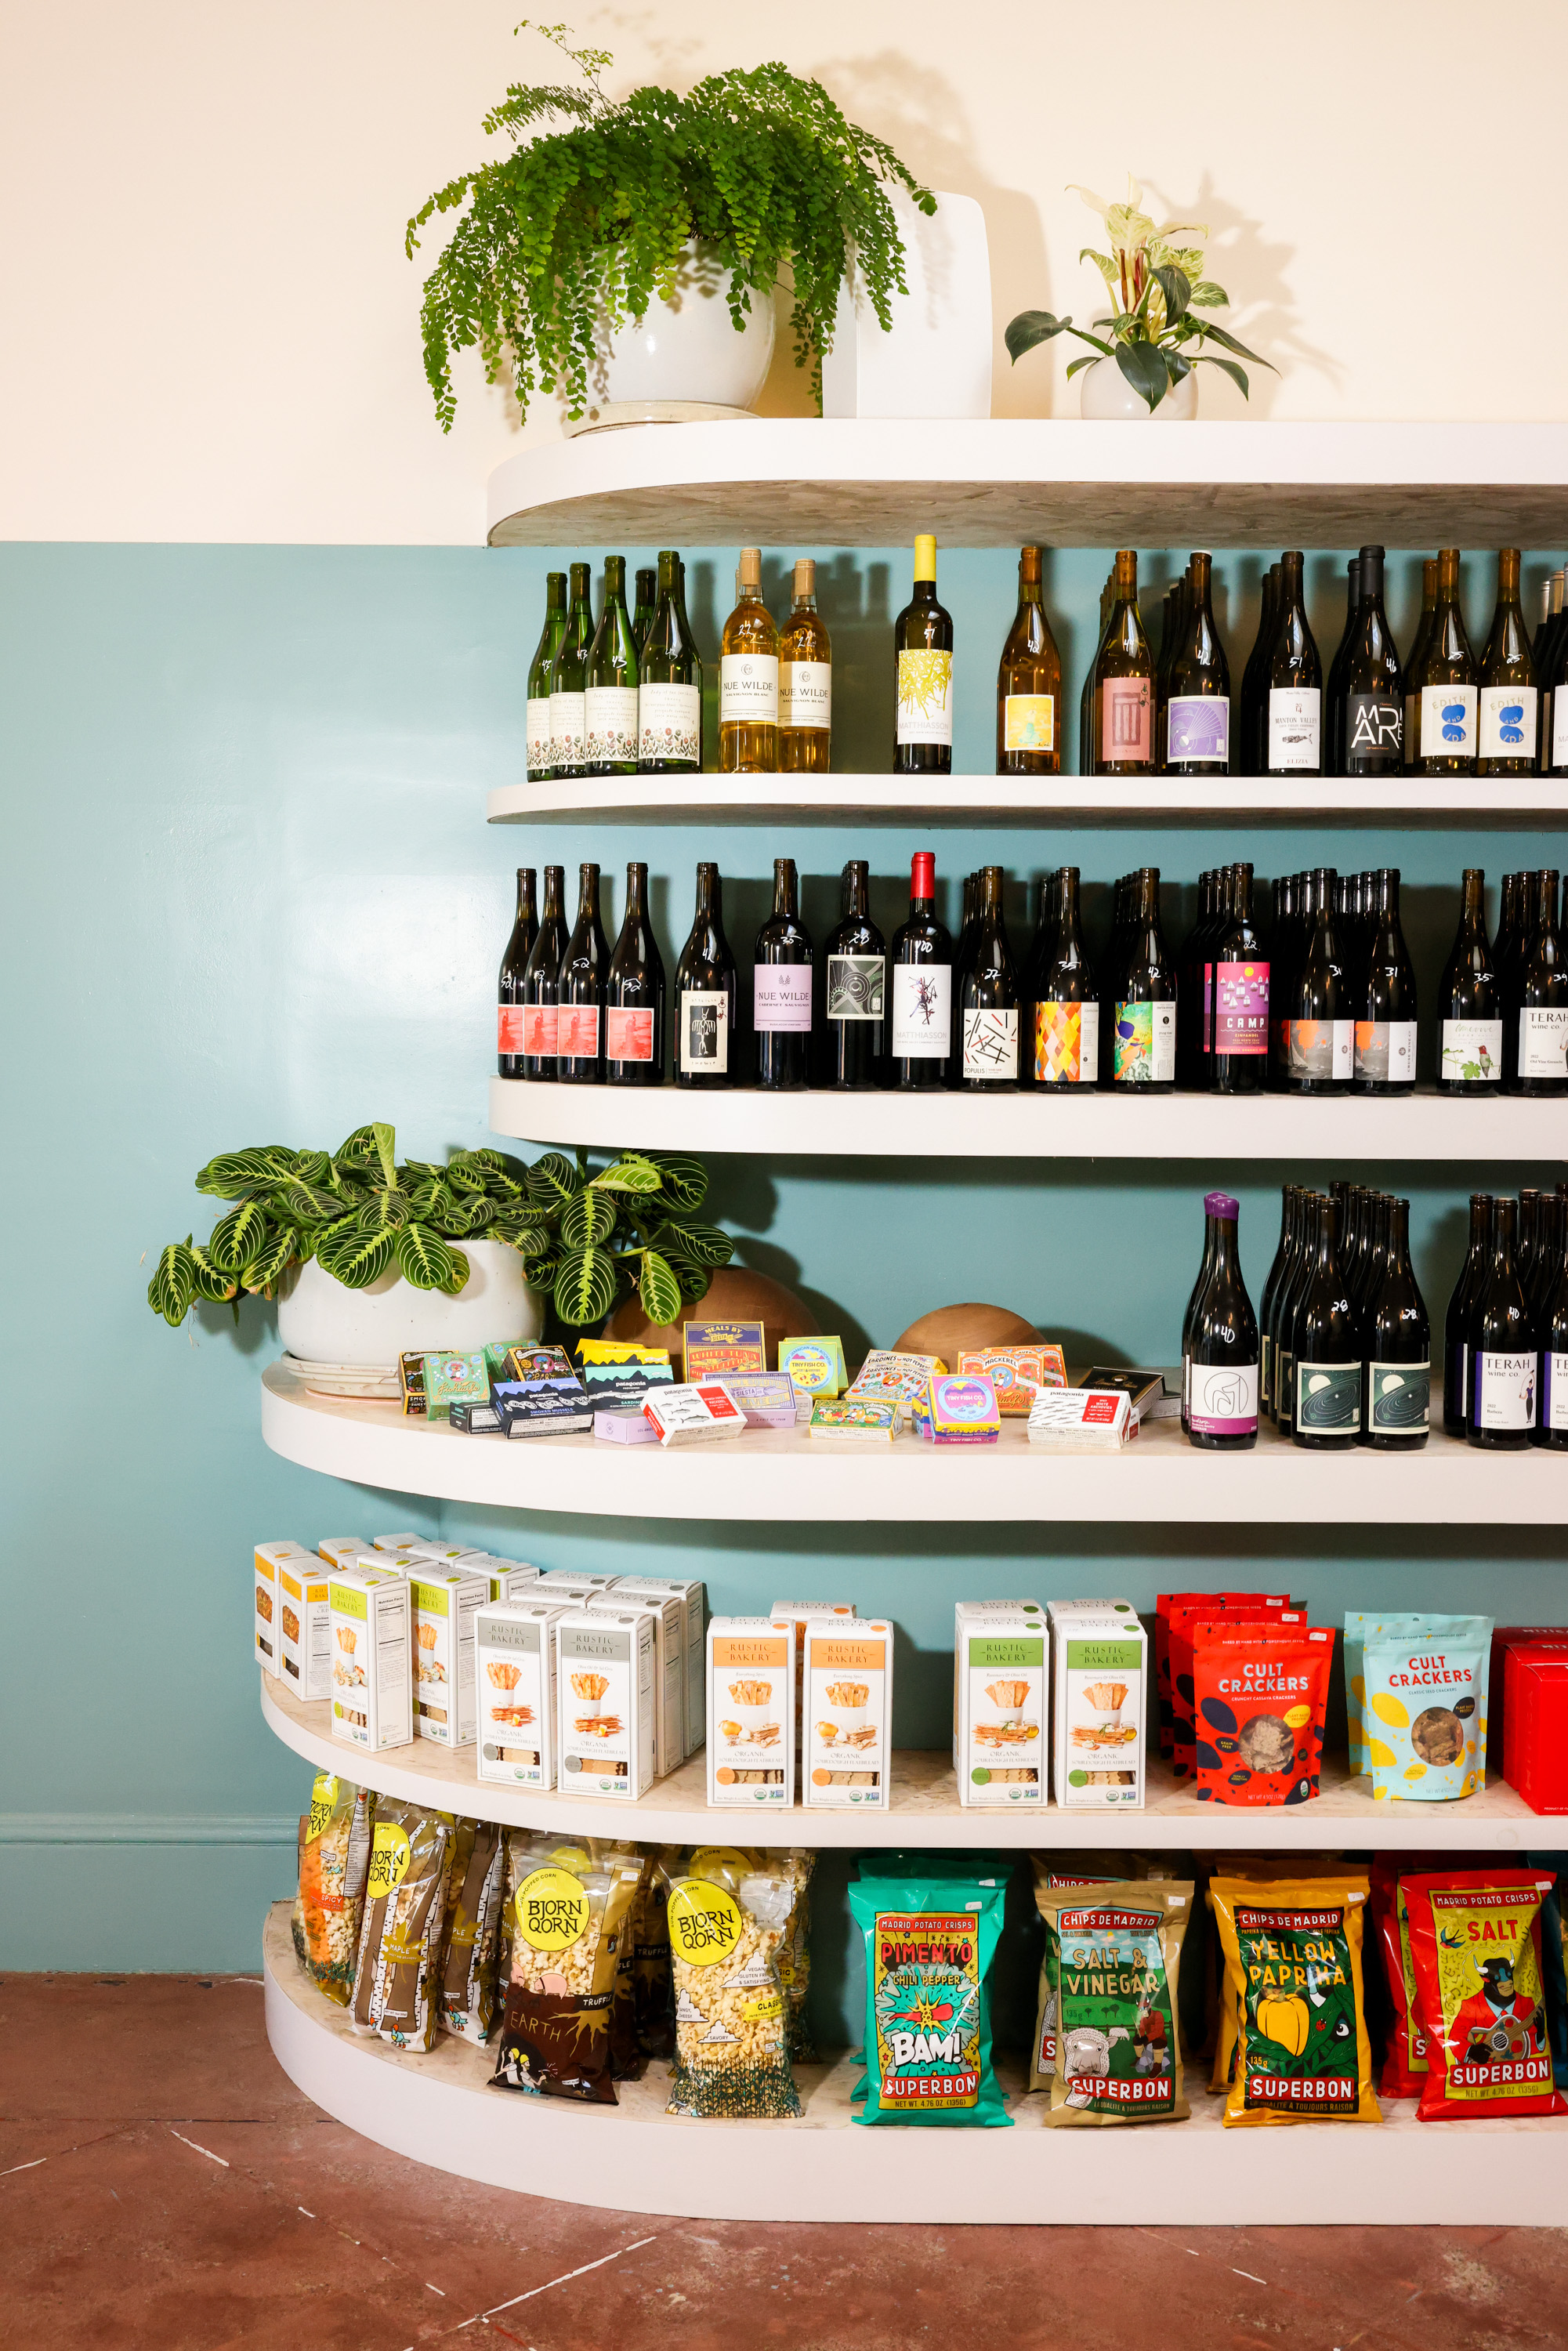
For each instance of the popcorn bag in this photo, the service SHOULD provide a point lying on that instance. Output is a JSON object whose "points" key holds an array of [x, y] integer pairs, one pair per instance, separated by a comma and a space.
{"points": [[397, 1980], [732, 2055], [334, 1855], [566, 1927]]}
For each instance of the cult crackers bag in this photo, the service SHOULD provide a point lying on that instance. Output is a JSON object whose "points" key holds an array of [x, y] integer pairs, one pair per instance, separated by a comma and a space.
{"points": [[1475, 1938], [1260, 1694], [1112, 1957], [1426, 1708], [1293, 1975], [929, 1942]]}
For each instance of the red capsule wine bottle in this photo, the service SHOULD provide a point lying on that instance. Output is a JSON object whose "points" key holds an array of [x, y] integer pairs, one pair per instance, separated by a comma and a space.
{"points": [[542, 982], [509, 980], [1223, 1349], [707, 1048], [922, 979], [634, 996], [781, 989], [584, 975], [854, 1030]]}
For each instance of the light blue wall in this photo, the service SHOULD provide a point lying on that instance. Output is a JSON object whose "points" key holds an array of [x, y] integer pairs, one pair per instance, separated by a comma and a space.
{"points": [[251, 896]]}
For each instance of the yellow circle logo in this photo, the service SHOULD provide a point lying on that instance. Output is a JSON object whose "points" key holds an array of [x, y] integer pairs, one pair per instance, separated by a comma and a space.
{"points": [[705, 1922], [323, 1797], [388, 1860], [552, 1909], [721, 1861]]}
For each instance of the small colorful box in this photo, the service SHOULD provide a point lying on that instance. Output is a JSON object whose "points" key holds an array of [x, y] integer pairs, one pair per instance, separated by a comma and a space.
{"points": [[1016, 1373], [268, 1557], [533, 1362], [475, 1419], [620, 1427], [396, 1542], [557, 1406], [817, 1366], [514, 1685], [711, 1349], [868, 1420], [767, 1398], [411, 1380], [894, 1378], [445, 1601], [1538, 1716], [957, 1408], [450, 1379], [341, 1551], [370, 1615], [1081, 1420], [691, 1413]]}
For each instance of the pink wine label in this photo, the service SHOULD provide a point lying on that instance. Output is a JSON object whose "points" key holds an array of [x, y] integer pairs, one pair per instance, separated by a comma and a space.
{"points": [[1066, 1044], [1222, 1399], [629, 1033], [510, 1028], [1199, 727], [539, 1031], [1126, 735], [781, 997], [576, 1032], [1241, 1008]]}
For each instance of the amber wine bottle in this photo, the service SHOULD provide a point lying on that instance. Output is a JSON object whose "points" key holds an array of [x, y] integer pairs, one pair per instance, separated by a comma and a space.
{"points": [[1505, 718], [1122, 697], [922, 663], [749, 678], [1445, 683], [1028, 683], [805, 682]]}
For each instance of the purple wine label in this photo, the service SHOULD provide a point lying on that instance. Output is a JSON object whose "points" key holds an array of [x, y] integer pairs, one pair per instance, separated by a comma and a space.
{"points": [[1241, 1008], [781, 997], [1222, 1399], [1199, 726]]}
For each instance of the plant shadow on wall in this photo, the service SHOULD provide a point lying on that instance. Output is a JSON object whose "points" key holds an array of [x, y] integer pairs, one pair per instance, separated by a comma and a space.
{"points": [[1254, 269]]}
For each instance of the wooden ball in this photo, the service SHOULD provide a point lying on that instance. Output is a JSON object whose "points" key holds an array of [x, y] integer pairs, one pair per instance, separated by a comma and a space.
{"points": [[736, 1295], [947, 1330]]}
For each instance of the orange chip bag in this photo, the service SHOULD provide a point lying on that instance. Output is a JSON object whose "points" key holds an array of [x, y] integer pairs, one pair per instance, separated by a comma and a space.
{"points": [[1475, 1940]]}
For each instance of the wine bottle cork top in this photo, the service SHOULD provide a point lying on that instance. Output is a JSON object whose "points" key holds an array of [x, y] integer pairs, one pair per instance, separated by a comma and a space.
{"points": [[805, 576], [751, 567], [926, 556]]}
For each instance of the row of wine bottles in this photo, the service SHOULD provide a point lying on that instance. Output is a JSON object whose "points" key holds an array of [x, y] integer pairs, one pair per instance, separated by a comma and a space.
{"points": [[1339, 1351], [624, 695], [1328, 1002]]}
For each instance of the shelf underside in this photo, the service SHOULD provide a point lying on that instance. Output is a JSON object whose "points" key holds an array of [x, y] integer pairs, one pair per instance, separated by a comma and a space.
{"points": [[438, 2109]]}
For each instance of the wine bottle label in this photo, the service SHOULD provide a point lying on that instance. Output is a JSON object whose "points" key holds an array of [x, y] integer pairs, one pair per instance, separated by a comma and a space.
{"points": [[1199, 727], [1503, 1390], [1447, 722], [540, 1023], [1399, 1399], [568, 729], [670, 724], [1322, 1049], [1472, 1049], [925, 697], [781, 997], [992, 1044], [1066, 1044], [1222, 1400], [1553, 1390], [1328, 1399], [1373, 726], [857, 986], [1295, 727], [576, 1032], [1543, 1040], [1126, 736], [628, 1033], [1029, 722], [1560, 729], [1241, 1008], [1505, 727], [511, 1020], [806, 694], [1386, 1052], [609, 723], [539, 734], [748, 689], [1143, 1048], [705, 1032], [922, 1011]]}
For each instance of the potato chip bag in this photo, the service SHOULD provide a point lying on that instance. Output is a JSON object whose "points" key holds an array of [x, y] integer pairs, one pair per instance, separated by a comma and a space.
{"points": [[1261, 1694], [1260, 1869], [1475, 1938], [1060, 1872], [1405, 2062], [1293, 1971], [930, 1939], [1425, 1714], [1112, 1955]]}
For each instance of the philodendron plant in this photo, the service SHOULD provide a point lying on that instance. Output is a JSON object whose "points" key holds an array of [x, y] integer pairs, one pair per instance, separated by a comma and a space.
{"points": [[588, 1240]]}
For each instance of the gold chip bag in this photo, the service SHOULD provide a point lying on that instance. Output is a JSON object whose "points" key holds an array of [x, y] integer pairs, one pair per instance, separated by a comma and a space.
{"points": [[1292, 1981]]}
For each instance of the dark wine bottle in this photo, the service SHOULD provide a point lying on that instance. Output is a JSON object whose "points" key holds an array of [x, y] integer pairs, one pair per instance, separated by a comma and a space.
{"points": [[542, 982], [1551, 670], [1195, 693], [669, 683], [1447, 683], [1545, 1258], [1143, 1008], [1189, 1063], [781, 989], [634, 996], [708, 1051], [1470, 1039], [1333, 689], [1284, 961], [855, 1029], [922, 674], [568, 681], [646, 604], [1396, 1371], [1194, 1307], [1418, 655], [1506, 713], [1551, 1428], [1240, 1055], [1503, 1350], [1253, 721], [1294, 745], [1028, 683], [540, 760], [584, 978], [1326, 1402], [963, 956], [1276, 1274], [1222, 1382], [921, 957], [1291, 1291], [509, 981], [1525, 1231], [1543, 1042], [1064, 1044], [1372, 697], [1385, 998], [1457, 1321], [989, 1004], [1322, 1034]]}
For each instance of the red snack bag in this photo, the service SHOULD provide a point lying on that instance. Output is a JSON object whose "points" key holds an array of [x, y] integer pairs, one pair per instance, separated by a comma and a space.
{"points": [[1261, 1691], [1405, 2063], [1183, 1611], [1475, 1938]]}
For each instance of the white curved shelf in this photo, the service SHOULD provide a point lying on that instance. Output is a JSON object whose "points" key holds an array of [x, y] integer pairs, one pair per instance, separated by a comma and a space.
{"points": [[925, 1813], [950, 800], [633, 2157], [804, 481], [783, 1475], [1214, 1128]]}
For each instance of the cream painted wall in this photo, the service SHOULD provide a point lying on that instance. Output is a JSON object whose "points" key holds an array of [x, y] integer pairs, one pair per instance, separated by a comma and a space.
{"points": [[210, 330]]}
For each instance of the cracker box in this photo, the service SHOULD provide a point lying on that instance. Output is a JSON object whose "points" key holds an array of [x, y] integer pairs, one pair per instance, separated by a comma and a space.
{"points": [[816, 1366], [397, 1543], [268, 1556], [957, 1409], [1099, 1697], [305, 1618], [1001, 1707], [709, 1350], [515, 1687], [444, 1602], [751, 1722], [509, 1579], [370, 1620], [694, 1413], [564, 1579], [341, 1551], [669, 1667], [440, 1554], [606, 1677], [847, 1757], [798, 1613], [1017, 1372], [693, 1597], [670, 1599]]}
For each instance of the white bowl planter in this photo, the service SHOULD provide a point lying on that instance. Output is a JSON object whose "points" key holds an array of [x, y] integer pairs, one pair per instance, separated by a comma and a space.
{"points": [[322, 1322], [684, 356], [1107, 397]]}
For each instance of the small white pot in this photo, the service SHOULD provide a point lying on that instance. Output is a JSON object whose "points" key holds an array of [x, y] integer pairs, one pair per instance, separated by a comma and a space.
{"points": [[321, 1322], [1107, 397], [684, 355]]}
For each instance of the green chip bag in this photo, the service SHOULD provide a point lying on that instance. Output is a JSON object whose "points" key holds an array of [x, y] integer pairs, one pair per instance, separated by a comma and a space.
{"points": [[1113, 1953], [930, 1939]]}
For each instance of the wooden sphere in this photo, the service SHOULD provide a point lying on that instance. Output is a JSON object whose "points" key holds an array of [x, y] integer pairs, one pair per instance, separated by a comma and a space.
{"points": [[736, 1295], [947, 1330]]}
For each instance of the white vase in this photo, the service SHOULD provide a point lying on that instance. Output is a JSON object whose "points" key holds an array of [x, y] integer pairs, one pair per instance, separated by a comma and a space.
{"points": [[684, 358], [320, 1322], [935, 358], [1108, 398]]}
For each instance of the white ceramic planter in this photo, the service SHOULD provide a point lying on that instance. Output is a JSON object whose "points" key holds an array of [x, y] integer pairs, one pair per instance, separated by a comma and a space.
{"points": [[935, 358], [684, 355], [322, 1322], [1107, 397]]}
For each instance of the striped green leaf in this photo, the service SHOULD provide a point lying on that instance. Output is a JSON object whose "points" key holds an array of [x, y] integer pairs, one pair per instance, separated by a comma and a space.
{"points": [[235, 1174], [587, 1219], [464, 1173], [212, 1283], [386, 1152], [630, 1175], [385, 1211], [530, 1243], [237, 1237], [357, 1149], [694, 1281], [424, 1260], [658, 1288], [685, 1180], [173, 1285], [265, 1271], [698, 1244], [475, 1214], [552, 1174], [312, 1166], [585, 1286], [352, 1256], [306, 1202]]}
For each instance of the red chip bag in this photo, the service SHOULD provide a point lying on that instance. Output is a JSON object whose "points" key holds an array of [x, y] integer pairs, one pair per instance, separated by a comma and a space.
{"points": [[1475, 1938], [1405, 2064], [1259, 1694]]}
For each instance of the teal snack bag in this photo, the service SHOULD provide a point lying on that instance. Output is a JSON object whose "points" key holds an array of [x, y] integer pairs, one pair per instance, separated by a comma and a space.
{"points": [[929, 1941], [1426, 1710], [1359, 1628]]}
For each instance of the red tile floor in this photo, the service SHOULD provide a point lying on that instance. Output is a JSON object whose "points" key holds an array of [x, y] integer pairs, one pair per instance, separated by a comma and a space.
{"points": [[163, 2187]]}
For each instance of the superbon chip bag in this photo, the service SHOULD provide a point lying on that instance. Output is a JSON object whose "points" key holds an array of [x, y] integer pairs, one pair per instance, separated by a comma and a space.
{"points": [[1426, 1710], [1293, 1975], [1257, 1869], [1260, 1694], [1112, 1954], [334, 1853], [728, 1930], [1405, 2062], [929, 1941], [1475, 1937]]}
